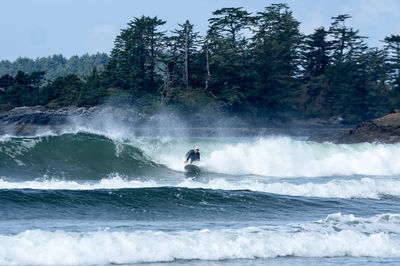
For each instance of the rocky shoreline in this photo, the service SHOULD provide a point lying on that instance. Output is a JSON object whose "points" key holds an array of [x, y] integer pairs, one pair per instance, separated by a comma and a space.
{"points": [[28, 121], [385, 129]]}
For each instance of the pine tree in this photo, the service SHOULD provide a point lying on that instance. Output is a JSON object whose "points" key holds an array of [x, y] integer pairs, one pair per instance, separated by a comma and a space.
{"points": [[6, 82], [345, 73], [378, 100], [392, 47], [92, 92], [185, 42], [316, 52], [276, 55], [134, 59], [227, 59], [346, 43]]}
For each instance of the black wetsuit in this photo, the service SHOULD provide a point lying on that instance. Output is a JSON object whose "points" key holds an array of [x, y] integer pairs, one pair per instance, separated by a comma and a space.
{"points": [[193, 156]]}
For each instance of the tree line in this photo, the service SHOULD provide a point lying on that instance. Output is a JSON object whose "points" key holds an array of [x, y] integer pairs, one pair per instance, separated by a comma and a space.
{"points": [[258, 65], [54, 66]]}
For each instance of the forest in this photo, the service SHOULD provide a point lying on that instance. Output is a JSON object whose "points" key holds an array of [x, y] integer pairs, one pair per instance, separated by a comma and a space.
{"points": [[248, 64], [55, 66]]}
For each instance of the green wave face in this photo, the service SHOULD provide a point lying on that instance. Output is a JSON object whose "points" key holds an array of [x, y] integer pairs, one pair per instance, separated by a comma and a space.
{"points": [[73, 156]]}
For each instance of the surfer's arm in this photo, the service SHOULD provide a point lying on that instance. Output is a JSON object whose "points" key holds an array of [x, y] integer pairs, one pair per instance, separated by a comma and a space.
{"points": [[188, 155]]}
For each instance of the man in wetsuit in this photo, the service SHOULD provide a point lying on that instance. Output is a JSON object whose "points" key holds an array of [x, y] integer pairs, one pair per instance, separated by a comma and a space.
{"points": [[192, 155]]}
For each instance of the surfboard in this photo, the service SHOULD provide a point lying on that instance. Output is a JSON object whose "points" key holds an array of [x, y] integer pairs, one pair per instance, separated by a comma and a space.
{"points": [[192, 170]]}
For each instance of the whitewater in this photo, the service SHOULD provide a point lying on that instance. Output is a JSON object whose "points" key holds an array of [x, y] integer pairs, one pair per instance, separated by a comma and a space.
{"points": [[91, 196]]}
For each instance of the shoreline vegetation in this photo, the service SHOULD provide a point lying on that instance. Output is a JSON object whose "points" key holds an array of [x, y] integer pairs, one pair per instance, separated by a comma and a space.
{"points": [[255, 66]]}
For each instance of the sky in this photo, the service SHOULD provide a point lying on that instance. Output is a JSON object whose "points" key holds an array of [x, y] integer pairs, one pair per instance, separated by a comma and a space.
{"points": [[40, 28]]}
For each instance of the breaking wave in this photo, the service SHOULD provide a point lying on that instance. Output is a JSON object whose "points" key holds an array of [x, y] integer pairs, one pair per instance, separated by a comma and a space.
{"points": [[335, 236], [87, 155], [337, 188]]}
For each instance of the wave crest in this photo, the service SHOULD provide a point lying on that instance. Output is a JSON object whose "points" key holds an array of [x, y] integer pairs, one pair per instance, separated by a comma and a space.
{"points": [[362, 188], [38, 247]]}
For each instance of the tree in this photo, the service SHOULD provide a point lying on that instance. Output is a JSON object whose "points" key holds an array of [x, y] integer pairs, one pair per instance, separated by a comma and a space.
{"points": [[24, 90], [229, 23], [184, 44], [378, 99], [276, 56], [134, 59], [316, 52], [345, 73], [346, 43], [55, 66], [92, 92], [392, 47], [63, 91], [6, 82], [225, 50]]}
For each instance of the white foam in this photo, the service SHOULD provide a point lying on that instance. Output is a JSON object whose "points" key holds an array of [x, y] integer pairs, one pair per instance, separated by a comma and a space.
{"points": [[362, 188], [18, 146], [54, 184], [285, 157], [282, 157], [37, 247], [388, 223]]}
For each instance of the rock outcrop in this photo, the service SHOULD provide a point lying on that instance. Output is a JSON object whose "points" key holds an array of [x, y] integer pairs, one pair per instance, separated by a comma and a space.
{"points": [[39, 115], [385, 129]]}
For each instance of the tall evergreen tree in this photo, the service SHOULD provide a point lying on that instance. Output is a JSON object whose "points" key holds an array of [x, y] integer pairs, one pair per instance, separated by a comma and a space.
{"points": [[346, 43], [6, 82], [134, 59], [185, 41], [275, 49], [378, 98], [316, 53], [392, 46], [227, 59], [316, 50], [346, 97]]}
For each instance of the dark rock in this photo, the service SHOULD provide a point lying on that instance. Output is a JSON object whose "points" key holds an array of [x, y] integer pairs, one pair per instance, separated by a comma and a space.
{"points": [[29, 120], [385, 129], [39, 115]]}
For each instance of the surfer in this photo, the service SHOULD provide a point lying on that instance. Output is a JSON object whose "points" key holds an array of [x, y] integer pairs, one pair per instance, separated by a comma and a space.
{"points": [[192, 155]]}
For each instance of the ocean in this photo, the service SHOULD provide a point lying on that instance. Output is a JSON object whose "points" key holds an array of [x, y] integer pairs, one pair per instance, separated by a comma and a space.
{"points": [[96, 197]]}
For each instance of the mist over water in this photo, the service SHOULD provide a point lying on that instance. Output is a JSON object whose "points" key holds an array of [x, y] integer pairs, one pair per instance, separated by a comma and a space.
{"points": [[102, 191]]}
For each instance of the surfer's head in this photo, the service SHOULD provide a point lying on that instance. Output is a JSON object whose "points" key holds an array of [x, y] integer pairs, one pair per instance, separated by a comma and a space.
{"points": [[196, 149]]}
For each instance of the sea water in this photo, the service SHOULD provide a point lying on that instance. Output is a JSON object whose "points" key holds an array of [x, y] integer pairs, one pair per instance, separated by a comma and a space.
{"points": [[90, 198]]}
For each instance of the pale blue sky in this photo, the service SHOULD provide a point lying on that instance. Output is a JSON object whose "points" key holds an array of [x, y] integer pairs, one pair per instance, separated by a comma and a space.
{"points": [[36, 28]]}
